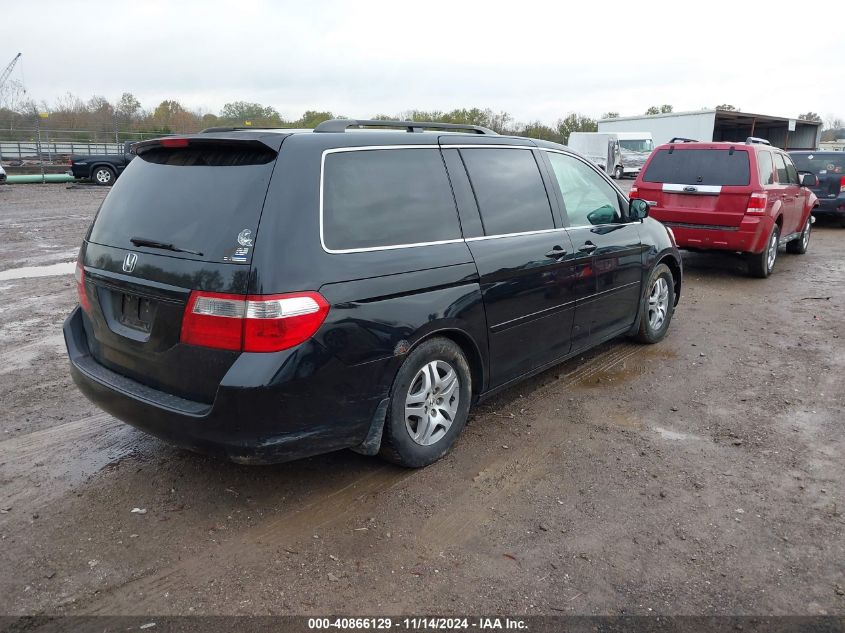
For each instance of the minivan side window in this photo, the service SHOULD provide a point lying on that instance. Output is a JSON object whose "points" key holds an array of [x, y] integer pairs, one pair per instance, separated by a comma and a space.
{"points": [[790, 170], [783, 176], [509, 190], [766, 168], [386, 198], [588, 197]]}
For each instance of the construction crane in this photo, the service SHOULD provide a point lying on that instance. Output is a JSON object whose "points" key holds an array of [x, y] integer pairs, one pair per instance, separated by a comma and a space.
{"points": [[8, 70]]}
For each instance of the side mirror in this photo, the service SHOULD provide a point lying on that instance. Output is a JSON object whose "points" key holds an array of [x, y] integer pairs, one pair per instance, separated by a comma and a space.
{"points": [[808, 180], [638, 209]]}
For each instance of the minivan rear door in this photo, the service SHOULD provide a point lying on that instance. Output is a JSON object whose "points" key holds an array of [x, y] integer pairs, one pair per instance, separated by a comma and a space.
{"points": [[698, 186], [184, 216]]}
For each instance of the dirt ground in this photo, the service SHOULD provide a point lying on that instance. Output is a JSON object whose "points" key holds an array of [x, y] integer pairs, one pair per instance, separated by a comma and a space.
{"points": [[702, 475]]}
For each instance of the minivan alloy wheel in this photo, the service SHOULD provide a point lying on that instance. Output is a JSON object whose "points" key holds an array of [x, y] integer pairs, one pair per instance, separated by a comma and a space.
{"points": [[432, 402], [658, 303]]}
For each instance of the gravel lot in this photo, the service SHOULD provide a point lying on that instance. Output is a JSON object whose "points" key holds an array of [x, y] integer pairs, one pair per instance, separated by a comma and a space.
{"points": [[700, 475]]}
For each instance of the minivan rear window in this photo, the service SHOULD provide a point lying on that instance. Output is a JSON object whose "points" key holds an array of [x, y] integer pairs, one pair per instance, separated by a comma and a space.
{"points": [[206, 199], [382, 198], [699, 167]]}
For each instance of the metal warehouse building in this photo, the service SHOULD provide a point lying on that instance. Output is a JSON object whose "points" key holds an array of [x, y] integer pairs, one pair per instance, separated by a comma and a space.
{"points": [[720, 125]]}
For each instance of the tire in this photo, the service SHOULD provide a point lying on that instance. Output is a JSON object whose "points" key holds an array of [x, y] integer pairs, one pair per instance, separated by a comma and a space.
{"points": [[103, 176], [657, 305], [760, 265], [618, 173], [799, 245], [407, 440]]}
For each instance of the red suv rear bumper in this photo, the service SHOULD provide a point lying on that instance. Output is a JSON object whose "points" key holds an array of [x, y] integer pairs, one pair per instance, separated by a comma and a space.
{"points": [[750, 236]]}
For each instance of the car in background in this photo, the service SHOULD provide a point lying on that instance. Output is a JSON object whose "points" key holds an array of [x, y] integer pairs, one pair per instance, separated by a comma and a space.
{"points": [[264, 295], [744, 197], [101, 169], [2, 174], [829, 168]]}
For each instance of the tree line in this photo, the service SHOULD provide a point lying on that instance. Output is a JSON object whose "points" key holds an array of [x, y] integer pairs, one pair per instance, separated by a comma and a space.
{"points": [[98, 119]]}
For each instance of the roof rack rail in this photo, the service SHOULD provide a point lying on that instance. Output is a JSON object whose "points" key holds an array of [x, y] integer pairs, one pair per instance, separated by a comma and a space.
{"points": [[341, 125], [226, 128], [755, 139], [681, 139]]}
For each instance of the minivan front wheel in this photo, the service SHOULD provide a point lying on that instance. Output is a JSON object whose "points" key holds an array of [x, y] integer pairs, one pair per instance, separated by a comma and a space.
{"points": [[429, 404], [658, 305], [761, 264]]}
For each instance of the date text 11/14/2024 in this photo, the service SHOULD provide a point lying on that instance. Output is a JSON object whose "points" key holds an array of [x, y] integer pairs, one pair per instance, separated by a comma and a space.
{"points": [[418, 623]]}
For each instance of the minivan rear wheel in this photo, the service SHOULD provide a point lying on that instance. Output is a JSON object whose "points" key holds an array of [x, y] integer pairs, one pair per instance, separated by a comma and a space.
{"points": [[761, 264], [658, 305], [429, 404]]}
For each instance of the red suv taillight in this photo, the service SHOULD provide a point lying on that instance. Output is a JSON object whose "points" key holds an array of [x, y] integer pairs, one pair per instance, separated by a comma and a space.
{"points": [[79, 275], [757, 203], [255, 323], [842, 185], [634, 193]]}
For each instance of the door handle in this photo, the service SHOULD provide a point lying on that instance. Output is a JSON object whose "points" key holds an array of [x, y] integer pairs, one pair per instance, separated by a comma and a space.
{"points": [[589, 247], [556, 253]]}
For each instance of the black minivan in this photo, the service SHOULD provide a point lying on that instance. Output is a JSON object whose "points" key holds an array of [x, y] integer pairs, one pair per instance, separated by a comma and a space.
{"points": [[264, 295]]}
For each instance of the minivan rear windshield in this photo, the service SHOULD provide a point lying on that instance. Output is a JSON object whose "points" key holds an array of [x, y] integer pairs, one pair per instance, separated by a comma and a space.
{"points": [[204, 198], [699, 167]]}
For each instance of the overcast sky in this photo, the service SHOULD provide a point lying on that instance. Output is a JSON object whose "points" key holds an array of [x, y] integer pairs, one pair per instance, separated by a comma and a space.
{"points": [[536, 60]]}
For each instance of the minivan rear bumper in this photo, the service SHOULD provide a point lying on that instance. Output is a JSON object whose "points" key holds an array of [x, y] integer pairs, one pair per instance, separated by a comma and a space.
{"points": [[750, 236], [267, 410]]}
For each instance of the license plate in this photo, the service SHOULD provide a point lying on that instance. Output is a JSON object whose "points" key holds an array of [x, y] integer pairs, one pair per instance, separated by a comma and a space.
{"points": [[136, 312]]}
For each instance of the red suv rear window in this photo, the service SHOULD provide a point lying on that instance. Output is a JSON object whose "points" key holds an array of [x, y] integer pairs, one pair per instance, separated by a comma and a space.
{"points": [[699, 167]]}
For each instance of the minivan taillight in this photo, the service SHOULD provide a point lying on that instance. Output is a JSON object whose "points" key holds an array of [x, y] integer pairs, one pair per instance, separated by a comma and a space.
{"points": [[255, 323], [757, 203], [79, 275]]}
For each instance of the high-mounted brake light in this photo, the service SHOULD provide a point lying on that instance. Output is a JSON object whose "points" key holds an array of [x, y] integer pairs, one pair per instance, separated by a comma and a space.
{"points": [[174, 142], [79, 275], [255, 323], [757, 203]]}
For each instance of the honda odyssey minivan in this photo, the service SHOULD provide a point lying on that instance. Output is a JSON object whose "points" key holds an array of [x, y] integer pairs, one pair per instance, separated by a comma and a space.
{"points": [[264, 295]]}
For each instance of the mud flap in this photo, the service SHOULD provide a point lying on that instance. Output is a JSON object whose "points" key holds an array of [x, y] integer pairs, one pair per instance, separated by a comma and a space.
{"points": [[372, 443]]}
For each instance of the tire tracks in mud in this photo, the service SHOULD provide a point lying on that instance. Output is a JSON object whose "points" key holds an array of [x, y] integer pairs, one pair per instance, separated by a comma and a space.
{"points": [[459, 521], [40, 466], [358, 496]]}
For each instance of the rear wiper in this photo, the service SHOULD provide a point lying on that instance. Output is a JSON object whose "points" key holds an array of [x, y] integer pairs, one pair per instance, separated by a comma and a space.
{"points": [[143, 241]]}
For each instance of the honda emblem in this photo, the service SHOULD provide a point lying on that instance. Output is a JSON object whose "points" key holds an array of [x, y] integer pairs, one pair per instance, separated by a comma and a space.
{"points": [[129, 262]]}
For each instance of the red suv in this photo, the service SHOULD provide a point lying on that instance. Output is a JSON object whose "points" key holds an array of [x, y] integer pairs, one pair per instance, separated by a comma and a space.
{"points": [[745, 197]]}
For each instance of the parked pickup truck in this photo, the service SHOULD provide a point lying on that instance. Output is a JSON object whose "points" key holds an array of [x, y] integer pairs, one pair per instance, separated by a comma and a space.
{"points": [[101, 169]]}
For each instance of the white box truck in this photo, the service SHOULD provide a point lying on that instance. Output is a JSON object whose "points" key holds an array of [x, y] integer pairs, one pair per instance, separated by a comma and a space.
{"points": [[619, 154]]}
